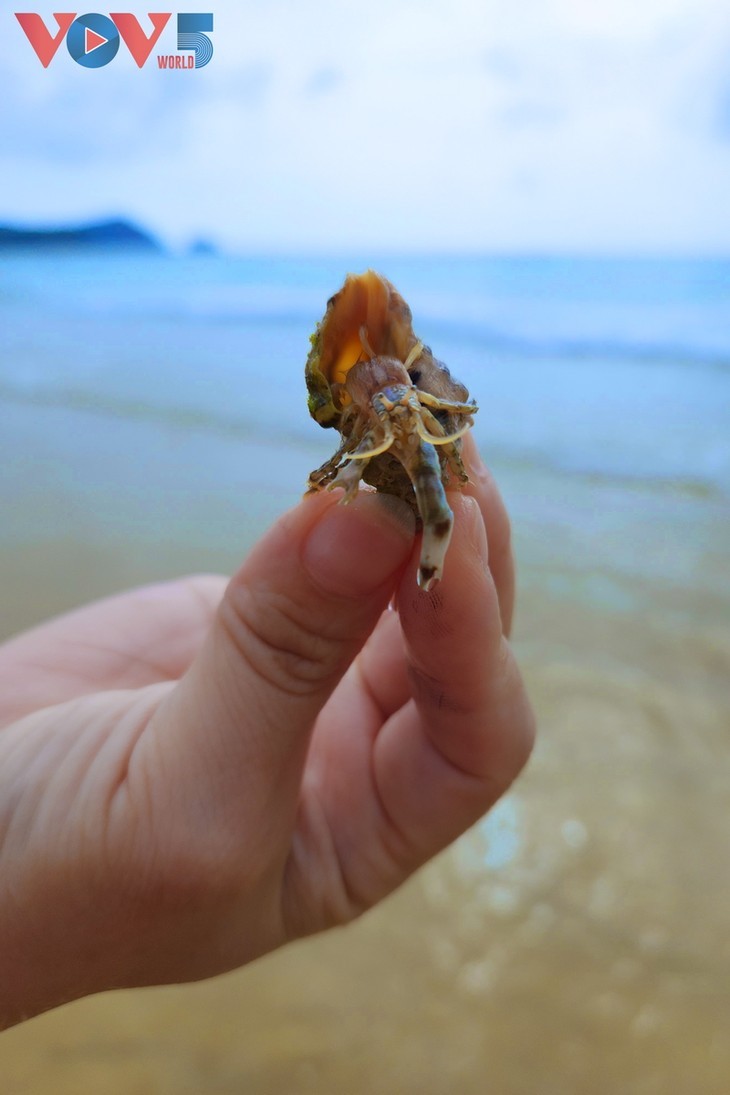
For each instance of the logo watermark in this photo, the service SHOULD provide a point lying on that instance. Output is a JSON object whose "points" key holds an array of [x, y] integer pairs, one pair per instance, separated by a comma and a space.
{"points": [[93, 40]]}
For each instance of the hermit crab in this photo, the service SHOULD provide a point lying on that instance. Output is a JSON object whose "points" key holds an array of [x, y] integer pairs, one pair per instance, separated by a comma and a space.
{"points": [[399, 411]]}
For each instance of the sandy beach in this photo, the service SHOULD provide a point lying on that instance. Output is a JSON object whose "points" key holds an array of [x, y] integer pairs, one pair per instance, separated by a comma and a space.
{"points": [[574, 941]]}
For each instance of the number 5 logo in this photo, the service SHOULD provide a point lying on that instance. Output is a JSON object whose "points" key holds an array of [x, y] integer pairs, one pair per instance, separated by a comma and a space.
{"points": [[190, 36]]}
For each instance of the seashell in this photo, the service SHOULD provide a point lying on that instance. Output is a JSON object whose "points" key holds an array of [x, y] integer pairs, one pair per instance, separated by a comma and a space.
{"points": [[399, 412]]}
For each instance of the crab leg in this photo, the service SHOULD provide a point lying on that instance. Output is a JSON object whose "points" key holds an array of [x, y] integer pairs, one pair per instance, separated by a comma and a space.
{"points": [[455, 463], [351, 472], [318, 478], [450, 451], [349, 477]]}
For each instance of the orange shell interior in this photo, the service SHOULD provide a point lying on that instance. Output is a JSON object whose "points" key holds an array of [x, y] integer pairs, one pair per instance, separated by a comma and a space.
{"points": [[366, 300]]}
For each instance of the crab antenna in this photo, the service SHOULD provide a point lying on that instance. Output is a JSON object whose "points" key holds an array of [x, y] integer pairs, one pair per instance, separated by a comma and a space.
{"points": [[432, 439], [413, 356], [364, 340]]}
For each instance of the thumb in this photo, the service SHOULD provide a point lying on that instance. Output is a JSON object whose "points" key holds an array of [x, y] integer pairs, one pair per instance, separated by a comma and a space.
{"points": [[290, 622]]}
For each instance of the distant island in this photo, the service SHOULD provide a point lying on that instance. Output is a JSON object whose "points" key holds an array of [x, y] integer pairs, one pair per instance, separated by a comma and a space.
{"points": [[202, 247], [116, 234]]}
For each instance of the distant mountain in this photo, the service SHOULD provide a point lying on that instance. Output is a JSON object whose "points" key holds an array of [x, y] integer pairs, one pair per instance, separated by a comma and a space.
{"points": [[104, 234], [202, 247]]}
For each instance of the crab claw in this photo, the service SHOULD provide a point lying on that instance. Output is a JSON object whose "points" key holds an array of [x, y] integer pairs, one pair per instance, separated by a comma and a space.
{"points": [[436, 539], [422, 466]]}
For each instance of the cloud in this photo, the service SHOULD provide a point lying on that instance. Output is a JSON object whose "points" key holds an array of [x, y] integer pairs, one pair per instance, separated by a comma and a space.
{"points": [[722, 114], [454, 125], [324, 80], [70, 127]]}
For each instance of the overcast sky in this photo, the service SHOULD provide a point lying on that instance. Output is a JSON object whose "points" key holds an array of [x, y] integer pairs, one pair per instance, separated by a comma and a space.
{"points": [[541, 125]]}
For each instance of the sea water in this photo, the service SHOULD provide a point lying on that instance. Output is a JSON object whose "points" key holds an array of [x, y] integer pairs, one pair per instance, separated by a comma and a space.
{"points": [[609, 367], [603, 386]]}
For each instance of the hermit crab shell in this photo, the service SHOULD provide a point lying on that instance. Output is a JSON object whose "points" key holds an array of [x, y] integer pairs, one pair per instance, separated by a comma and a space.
{"points": [[368, 301], [399, 411]]}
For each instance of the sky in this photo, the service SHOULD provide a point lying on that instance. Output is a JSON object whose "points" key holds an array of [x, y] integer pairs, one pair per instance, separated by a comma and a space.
{"points": [[571, 126]]}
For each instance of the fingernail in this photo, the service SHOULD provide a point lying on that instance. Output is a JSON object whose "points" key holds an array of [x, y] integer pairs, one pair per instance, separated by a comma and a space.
{"points": [[477, 533], [353, 550], [397, 510]]}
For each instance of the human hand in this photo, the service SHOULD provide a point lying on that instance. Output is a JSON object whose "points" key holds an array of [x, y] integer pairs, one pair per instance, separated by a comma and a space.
{"points": [[189, 779]]}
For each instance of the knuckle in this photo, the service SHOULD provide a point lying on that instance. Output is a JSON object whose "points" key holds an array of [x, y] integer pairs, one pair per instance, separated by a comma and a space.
{"points": [[278, 639], [430, 691]]}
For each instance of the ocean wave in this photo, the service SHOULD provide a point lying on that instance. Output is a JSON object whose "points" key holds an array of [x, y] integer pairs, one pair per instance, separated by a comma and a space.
{"points": [[253, 430], [585, 348], [138, 410], [600, 312], [271, 310], [277, 310], [559, 336]]}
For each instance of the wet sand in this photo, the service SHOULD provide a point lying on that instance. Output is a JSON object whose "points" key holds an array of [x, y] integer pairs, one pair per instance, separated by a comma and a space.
{"points": [[576, 941]]}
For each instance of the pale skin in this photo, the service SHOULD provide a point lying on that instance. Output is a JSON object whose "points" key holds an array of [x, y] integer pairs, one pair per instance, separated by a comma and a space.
{"points": [[196, 773]]}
